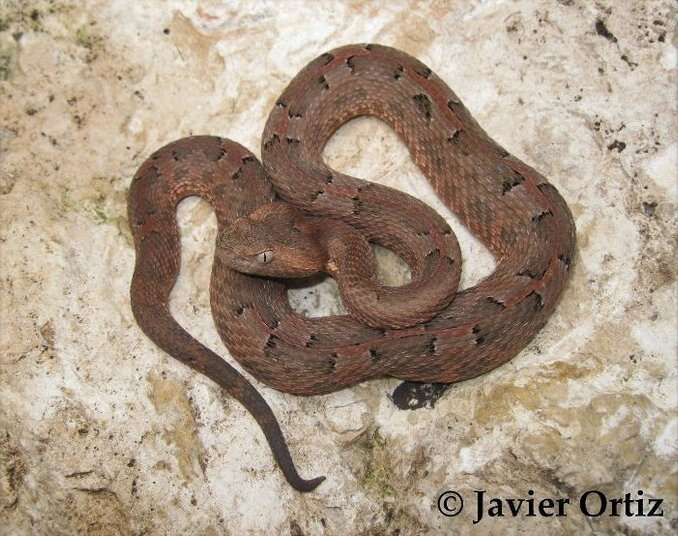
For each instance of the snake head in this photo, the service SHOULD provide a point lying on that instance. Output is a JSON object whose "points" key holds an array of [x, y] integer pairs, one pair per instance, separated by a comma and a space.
{"points": [[276, 240]]}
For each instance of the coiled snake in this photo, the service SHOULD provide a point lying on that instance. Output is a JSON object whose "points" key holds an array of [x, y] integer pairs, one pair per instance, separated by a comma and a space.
{"points": [[295, 216]]}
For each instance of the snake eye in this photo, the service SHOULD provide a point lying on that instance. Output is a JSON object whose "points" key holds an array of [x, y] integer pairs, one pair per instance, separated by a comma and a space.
{"points": [[265, 256]]}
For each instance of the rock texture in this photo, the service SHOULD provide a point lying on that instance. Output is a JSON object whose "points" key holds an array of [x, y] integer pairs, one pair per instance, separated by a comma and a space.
{"points": [[103, 434]]}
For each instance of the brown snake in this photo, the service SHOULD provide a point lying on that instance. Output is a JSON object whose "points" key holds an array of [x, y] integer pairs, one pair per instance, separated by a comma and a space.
{"points": [[296, 216]]}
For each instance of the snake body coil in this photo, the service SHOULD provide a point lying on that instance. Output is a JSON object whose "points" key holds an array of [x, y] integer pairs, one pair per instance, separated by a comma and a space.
{"points": [[423, 331]]}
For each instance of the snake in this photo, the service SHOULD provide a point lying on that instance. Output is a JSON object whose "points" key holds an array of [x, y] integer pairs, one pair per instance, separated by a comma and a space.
{"points": [[292, 216]]}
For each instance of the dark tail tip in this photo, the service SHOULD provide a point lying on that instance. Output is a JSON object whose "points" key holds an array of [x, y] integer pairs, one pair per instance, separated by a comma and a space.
{"points": [[307, 485]]}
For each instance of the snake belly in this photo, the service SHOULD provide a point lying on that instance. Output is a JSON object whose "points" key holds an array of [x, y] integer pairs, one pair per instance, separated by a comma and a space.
{"points": [[506, 204]]}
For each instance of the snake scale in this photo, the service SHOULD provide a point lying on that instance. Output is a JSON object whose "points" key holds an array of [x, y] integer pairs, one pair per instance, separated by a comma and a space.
{"points": [[294, 216]]}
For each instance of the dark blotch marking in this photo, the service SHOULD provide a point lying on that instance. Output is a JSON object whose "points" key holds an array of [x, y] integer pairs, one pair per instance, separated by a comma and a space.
{"points": [[240, 310], [271, 141], [247, 159], [433, 253], [424, 72], [432, 345], [398, 74], [495, 301], [292, 141], [317, 194], [332, 362], [351, 64], [281, 104], [272, 341], [539, 217], [480, 340], [329, 179], [237, 174], [454, 137], [423, 104], [476, 329], [326, 58], [539, 300], [323, 82], [511, 183], [311, 339], [214, 152], [293, 115], [565, 260]]}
